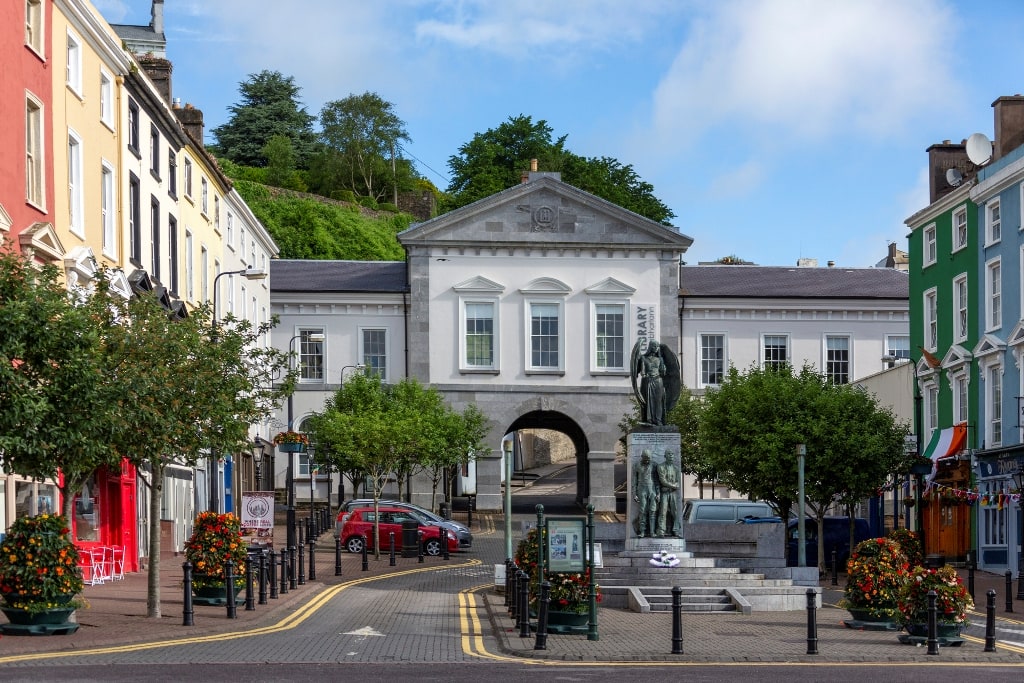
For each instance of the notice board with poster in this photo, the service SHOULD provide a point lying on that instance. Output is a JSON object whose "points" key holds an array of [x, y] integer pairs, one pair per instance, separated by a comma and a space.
{"points": [[258, 519]]}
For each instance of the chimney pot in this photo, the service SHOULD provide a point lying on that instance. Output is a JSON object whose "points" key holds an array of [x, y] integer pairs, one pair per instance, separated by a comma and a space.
{"points": [[831, 264], [533, 165]]}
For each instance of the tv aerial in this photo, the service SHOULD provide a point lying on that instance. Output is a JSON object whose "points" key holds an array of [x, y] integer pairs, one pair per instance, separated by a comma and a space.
{"points": [[954, 177], [979, 149]]}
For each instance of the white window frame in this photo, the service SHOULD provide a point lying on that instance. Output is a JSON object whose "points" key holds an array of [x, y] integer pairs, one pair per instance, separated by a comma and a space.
{"points": [[595, 365], [154, 150], [229, 227], [703, 373], [190, 273], [76, 184], [108, 208], [387, 350], [241, 243], [306, 349], [188, 178], [216, 212], [559, 304], [900, 352], [35, 152], [993, 295], [960, 385], [106, 99], [959, 221], [928, 243], [931, 318], [73, 65], [764, 362], [243, 296], [204, 202], [961, 308], [35, 35], [204, 273], [993, 222], [464, 365], [826, 362], [994, 405], [930, 412]]}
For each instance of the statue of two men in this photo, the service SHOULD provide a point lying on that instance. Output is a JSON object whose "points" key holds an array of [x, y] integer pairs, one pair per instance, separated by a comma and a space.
{"points": [[656, 491]]}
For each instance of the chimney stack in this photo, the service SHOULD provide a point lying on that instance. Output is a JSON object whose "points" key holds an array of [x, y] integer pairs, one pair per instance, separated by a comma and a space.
{"points": [[941, 158], [192, 121], [156, 14], [1009, 125], [159, 71]]}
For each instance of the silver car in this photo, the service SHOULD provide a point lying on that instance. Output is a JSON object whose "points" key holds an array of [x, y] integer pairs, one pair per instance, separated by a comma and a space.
{"points": [[461, 531]]}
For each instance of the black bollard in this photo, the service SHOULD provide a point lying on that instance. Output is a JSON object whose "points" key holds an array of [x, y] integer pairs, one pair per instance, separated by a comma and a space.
{"points": [[990, 621], [1009, 591], [229, 584], [508, 581], [312, 559], [263, 577], [970, 575], [250, 596], [391, 554], [513, 610], [469, 512], [677, 620], [524, 605], [835, 568], [272, 573], [284, 571], [187, 612], [421, 547], [337, 556], [1020, 585], [292, 560], [366, 563], [302, 566], [933, 641], [541, 642], [812, 622]]}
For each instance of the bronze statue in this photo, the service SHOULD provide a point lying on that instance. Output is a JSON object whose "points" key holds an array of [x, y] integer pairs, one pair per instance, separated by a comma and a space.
{"points": [[645, 492], [659, 381], [668, 502]]}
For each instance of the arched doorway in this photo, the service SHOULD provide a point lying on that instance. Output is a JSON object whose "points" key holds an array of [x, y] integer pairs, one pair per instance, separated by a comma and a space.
{"points": [[554, 421]]}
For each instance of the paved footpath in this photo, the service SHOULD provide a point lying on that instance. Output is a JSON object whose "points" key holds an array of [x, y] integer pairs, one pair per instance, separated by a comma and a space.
{"points": [[441, 610]]}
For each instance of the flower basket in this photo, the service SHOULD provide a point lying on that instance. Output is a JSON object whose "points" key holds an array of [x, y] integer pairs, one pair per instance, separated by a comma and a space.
{"points": [[952, 599], [39, 566], [910, 544], [292, 447], [291, 442], [570, 591], [215, 539], [875, 574]]}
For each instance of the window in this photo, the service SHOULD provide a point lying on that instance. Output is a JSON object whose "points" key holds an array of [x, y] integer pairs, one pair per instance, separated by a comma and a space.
{"points": [[993, 295], [712, 359], [960, 397], [188, 178], [204, 273], [205, 198], [960, 303], [108, 211], [172, 253], [374, 352], [216, 213], [479, 340], [76, 186], [34, 37], [993, 223], [610, 336], [776, 350], [837, 359], [544, 336], [993, 522], [241, 242], [106, 99], [930, 253], [311, 356], [34, 160], [252, 252], [931, 329], [133, 127], [154, 151], [154, 238], [229, 235], [959, 228], [172, 173], [73, 69], [135, 219], [190, 272], [898, 346], [994, 409], [242, 299]]}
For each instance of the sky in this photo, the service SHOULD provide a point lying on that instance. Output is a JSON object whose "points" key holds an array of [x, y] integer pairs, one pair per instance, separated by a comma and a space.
{"points": [[774, 129]]}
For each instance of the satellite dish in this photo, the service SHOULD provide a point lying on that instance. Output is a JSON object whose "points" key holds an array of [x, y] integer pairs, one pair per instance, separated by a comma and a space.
{"points": [[979, 149], [954, 177]]}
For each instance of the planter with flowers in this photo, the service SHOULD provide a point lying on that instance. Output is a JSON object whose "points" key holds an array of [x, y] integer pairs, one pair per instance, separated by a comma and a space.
{"points": [[910, 543], [39, 577], [952, 603], [215, 539], [875, 574], [569, 607], [291, 442]]}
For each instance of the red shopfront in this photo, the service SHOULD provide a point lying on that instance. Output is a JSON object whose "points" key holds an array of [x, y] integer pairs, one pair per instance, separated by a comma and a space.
{"points": [[105, 514]]}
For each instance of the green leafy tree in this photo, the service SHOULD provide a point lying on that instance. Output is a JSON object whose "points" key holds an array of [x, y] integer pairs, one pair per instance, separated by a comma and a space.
{"points": [[280, 170], [269, 107], [753, 422]]}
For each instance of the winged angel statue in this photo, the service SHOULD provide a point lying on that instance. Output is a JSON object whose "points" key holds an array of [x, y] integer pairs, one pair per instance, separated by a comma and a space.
{"points": [[656, 380]]}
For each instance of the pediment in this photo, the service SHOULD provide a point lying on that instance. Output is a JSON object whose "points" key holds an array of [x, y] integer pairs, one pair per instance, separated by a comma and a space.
{"points": [[988, 345], [119, 283], [546, 285], [1016, 334], [610, 285], [80, 265], [956, 356], [5, 220], [40, 241], [479, 285], [544, 211]]}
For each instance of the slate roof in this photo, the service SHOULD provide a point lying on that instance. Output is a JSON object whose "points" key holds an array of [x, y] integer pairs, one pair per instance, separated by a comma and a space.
{"points": [[293, 275], [761, 282], [135, 33]]}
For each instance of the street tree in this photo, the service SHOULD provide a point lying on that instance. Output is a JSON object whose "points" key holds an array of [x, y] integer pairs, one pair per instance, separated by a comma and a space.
{"points": [[269, 106], [753, 422]]}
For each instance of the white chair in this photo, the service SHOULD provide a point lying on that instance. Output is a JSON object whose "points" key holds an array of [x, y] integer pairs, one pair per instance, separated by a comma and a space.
{"points": [[117, 562], [90, 561]]}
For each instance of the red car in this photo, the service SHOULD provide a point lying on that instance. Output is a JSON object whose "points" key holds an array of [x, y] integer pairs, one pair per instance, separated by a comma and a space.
{"points": [[359, 524]]}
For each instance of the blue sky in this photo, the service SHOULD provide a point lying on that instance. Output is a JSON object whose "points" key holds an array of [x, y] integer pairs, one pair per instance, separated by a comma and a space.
{"points": [[774, 129]]}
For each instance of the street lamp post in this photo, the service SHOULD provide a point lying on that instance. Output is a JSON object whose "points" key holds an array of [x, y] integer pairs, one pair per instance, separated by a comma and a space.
{"points": [[310, 450], [290, 479], [506, 446], [248, 274], [356, 367], [801, 529], [259, 452]]}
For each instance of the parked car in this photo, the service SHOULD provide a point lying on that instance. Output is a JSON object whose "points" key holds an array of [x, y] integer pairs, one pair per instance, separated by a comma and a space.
{"points": [[461, 531], [837, 537], [723, 511], [358, 525]]}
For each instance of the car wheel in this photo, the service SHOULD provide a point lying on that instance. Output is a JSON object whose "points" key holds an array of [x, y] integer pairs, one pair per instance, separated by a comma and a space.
{"points": [[354, 544], [432, 547]]}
